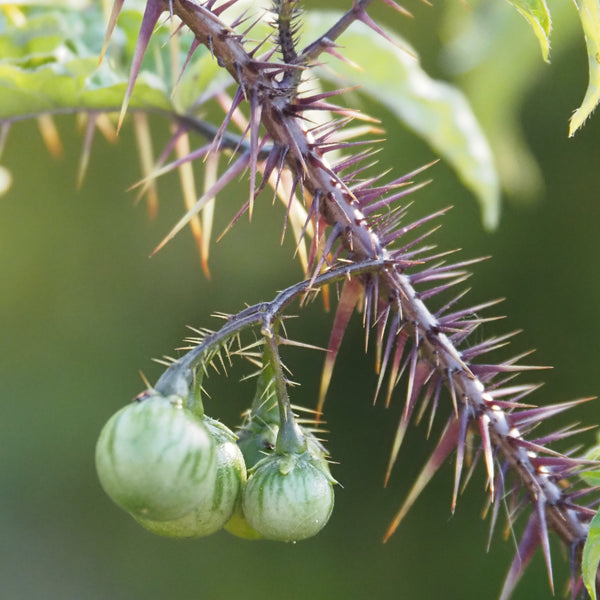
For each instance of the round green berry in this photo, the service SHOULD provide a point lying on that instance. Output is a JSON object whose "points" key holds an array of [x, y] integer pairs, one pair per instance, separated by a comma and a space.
{"points": [[155, 459], [288, 497]]}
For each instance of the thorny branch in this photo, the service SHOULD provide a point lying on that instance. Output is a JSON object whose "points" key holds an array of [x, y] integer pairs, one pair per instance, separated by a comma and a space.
{"points": [[391, 301]]}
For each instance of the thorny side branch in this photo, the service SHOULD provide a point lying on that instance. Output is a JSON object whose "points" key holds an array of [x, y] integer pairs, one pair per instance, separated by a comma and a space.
{"points": [[177, 379]]}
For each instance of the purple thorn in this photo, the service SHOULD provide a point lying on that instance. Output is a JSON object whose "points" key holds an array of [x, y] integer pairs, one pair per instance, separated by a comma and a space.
{"points": [[563, 463], [561, 434], [367, 310], [316, 201], [450, 379], [527, 547], [497, 501], [269, 165], [237, 100], [401, 340], [324, 147], [362, 15], [398, 8], [488, 345], [349, 298], [464, 417], [434, 405], [545, 542], [381, 321], [335, 234], [351, 177], [255, 120], [403, 252], [468, 312], [386, 355], [195, 43], [317, 97], [229, 175], [309, 215], [112, 21], [486, 443], [260, 44], [445, 445], [384, 202], [87, 148], [419, 372], [427, 396], [222, 8], [295, 183], [154, 9], [450, 302], [242, 18], [353, 159], [515, 390], [535, 415], [534, 447]]}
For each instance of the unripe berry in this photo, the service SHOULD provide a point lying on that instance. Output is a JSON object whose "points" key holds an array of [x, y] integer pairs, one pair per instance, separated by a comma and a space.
{"points": [[288, 497], [154, 458]]}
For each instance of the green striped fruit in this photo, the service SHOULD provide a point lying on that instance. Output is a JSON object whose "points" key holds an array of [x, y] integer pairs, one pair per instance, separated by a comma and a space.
{"points": [[257, 439], [156, 459], [288, 497], [217, 507]]}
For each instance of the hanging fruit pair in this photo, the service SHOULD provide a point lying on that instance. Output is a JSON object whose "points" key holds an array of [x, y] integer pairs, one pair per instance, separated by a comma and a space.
{"points": [[181, 474]]}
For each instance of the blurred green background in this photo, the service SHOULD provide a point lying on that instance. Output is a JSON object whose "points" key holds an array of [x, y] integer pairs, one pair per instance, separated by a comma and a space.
{"points": [[83, 310]]}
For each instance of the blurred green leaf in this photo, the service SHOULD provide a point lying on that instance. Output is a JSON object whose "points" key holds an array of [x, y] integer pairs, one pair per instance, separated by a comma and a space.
{"points": [[497, 77], [592, 476], [537, 14], [435, 110], [50, 64], [591, 557], [589, 14]]}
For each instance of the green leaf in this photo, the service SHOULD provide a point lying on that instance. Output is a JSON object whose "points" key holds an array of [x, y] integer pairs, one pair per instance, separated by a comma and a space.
{"points": [[50, 65], [537, 14], [435, 110], [591, 557], [592, 476], [497, 76], [589, 14]]}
